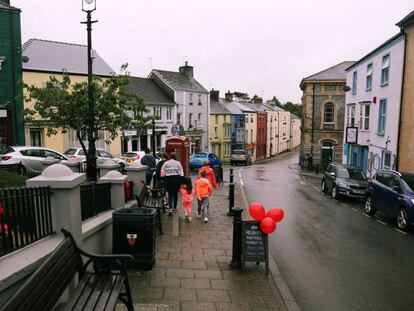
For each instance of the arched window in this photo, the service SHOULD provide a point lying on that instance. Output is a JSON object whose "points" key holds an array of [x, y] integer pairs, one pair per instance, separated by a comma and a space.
{"points": [[328, 113]]}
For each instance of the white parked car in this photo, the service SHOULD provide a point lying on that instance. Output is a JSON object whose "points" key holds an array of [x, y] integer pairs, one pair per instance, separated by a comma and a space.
{"points": [[102, 155], [29, 157], [132, 156]]}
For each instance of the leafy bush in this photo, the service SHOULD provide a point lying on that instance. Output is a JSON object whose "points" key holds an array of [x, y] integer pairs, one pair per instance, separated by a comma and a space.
{"points": [[9, 179]]}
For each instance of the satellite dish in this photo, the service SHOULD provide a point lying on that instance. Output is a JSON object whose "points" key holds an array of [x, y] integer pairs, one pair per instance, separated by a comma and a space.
{"points": [[346, 88]]}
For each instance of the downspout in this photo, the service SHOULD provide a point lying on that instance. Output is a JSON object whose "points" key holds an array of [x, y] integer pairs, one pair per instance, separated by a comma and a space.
{"points": [[313, 116], [401, 102], [14, 112]]}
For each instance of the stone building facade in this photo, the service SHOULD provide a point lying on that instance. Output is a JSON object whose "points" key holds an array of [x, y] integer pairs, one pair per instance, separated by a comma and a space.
{"points": [[405, 159], [323, 105]]}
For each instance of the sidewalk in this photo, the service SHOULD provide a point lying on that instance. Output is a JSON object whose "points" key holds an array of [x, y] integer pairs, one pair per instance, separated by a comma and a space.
{"points": [[192, 271], [306, 171]]}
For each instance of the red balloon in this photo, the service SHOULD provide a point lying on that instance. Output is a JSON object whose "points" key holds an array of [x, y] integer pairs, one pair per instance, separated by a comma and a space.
{"points": [[257, 211], [267, 225], [276, 214]]}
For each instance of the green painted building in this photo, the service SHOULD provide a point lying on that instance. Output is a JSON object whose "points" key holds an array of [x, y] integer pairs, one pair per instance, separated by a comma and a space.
{"points": [[11, 103]]}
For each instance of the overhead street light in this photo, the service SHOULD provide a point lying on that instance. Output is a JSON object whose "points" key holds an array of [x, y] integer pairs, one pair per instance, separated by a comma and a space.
{"points": [[89, 6]]}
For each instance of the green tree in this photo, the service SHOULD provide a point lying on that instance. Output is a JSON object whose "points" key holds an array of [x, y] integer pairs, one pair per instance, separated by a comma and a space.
{"points": [[241, 96], [296, 109], [61, 105]]}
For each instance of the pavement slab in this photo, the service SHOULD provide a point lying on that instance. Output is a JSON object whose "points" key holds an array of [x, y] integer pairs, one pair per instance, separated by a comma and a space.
{"points": [[192, 269]]}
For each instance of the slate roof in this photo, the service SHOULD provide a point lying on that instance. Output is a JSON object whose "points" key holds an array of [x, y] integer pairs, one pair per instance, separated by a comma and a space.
{"points": [[333, 73], [52, 56], [7, 7], [148, 90], [274, 108], [232, 107], [218, 107], [257, 107], [243, 107], [406, 21], [179, 81], [293, 116]]}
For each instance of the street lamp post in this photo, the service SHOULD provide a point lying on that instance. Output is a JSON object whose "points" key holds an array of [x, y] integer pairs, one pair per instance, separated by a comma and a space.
{"points": [[89, 6], [153, 135]]}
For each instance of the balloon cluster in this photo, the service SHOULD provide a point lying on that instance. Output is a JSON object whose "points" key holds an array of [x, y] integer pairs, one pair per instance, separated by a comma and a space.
{"points": [[267, 220]]}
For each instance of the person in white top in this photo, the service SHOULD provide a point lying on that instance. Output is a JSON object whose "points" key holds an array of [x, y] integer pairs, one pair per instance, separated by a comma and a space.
{"points": [[172, 170]]}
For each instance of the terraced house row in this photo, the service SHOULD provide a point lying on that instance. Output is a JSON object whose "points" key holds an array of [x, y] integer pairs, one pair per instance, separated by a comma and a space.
{"points": [[210, 122]]}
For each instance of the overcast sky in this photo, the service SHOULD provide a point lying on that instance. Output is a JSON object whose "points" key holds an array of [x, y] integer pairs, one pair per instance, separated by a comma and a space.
{"points": [[262, 47]]}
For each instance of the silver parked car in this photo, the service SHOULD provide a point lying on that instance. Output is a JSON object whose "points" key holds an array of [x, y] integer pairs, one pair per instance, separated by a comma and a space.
{"points": [[102, 155], [240, 156], [30, 158]]}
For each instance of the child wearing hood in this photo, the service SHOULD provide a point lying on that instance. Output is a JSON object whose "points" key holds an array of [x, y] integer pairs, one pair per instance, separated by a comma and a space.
{"points": [[187, 192], [203, 192]]}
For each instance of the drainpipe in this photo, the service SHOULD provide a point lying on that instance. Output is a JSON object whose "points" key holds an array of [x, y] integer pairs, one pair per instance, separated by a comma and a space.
{"points": [[13, 106], [313, 116], [401, 102]]}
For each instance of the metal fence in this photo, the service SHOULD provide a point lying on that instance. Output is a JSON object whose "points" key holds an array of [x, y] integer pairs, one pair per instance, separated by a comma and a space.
{"points": [[25, 217], [95, 199]]}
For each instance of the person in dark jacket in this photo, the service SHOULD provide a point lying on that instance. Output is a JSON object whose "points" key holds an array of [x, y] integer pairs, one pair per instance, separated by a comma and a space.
{"points": [[158, 180], [148, 160]]}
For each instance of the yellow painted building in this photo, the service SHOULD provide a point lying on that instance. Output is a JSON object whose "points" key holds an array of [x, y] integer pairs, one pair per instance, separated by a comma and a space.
{"points": [[46, 58], [220, 128], [405, 153]]}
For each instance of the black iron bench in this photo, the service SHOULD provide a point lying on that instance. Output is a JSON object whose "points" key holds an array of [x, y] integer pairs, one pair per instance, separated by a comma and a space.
{"points": [[152, 198], [101, 281]]}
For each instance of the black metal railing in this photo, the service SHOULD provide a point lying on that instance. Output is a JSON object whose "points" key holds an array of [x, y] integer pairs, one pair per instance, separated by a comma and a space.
{"points": [[95, 199], [25, 217]]}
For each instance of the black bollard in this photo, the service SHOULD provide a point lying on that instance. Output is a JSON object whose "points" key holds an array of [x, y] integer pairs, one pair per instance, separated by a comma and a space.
{"points": [[235, 262], [231, 199], [317, 169], [231, 193]]}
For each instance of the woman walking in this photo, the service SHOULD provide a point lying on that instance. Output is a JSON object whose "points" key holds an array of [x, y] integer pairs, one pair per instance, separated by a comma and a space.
{"points": [[172, 170]]}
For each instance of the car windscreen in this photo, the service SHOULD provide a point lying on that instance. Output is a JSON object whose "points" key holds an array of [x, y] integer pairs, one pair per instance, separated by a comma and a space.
{"points": [[6, 150], [199, 155], [408, 181], [351, 173], [239, 152], [70, 151], [130, 154]]}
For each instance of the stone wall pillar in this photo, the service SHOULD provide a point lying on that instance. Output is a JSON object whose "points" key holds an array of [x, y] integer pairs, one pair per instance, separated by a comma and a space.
{"points": [[107, 166], [136, 173], [65, 200], [117, 188]]}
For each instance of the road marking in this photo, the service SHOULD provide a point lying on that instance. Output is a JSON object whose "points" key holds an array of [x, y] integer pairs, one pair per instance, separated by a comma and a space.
{"points": [[343, 204], [405, 233], [240, 174], [353, 208], [296, 176], [302, 182], [366, 215], [381, 222], [241, 182], [316, 188]]}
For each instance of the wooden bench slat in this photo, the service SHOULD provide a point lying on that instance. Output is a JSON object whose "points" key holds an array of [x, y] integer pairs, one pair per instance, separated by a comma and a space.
{"points": [[110, 293], [100, 289]]}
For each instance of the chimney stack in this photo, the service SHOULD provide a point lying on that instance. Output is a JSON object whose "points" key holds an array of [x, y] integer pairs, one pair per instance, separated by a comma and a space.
{"points": [[228, 96], [187, 70], [214, 94], [258, 100]]}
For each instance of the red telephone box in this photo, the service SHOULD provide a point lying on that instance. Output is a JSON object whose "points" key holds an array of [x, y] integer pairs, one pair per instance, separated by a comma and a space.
{"points": [[180, 145]]}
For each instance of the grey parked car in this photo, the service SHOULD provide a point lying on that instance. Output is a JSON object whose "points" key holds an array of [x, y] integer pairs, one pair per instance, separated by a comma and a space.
{"points": [[29, 157], [344, 180], [240, 156]]}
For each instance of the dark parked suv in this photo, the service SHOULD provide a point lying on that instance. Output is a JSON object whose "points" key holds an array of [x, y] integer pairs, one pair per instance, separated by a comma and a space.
{"points": [[344, 180], [393, 193]]}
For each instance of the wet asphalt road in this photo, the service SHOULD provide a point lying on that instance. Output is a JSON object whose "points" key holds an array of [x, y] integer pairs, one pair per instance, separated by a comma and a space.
{"points": [[331, 255]]}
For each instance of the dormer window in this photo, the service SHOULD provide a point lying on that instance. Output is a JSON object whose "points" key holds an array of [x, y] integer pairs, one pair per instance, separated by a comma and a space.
{"points": [[199, 99], [191, 99]]}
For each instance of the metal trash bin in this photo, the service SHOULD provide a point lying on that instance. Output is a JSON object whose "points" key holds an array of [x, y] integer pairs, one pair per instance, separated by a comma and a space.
{"points": [[134, 233]]}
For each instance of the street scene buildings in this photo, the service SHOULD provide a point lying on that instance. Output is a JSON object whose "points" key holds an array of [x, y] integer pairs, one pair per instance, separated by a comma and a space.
{"points": [[170, 218]]}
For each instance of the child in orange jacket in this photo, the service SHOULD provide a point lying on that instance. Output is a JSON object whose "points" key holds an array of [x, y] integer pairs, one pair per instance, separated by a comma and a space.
{"points": [[210, 175], [187, 192], [203, 192]]}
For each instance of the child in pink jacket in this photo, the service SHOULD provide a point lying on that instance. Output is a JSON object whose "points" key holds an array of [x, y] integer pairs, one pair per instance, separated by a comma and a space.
{"points": [[187, 194]]}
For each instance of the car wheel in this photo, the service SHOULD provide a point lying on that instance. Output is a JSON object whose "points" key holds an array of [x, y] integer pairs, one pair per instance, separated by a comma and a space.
{"points": [[121, 167], [323, 186], [369, 209], [334, 193], [402, 219], [22, 170]]}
